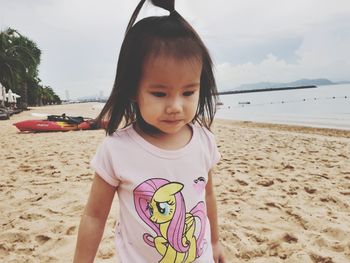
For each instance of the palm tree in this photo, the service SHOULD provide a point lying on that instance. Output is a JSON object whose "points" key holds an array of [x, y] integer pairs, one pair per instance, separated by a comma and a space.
{"points": [[32, 62], [19, 59], [34, 91], [10, 64]]}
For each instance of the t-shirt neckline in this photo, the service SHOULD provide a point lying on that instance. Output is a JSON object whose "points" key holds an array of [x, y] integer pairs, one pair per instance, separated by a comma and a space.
{"points": [[155, 150]]}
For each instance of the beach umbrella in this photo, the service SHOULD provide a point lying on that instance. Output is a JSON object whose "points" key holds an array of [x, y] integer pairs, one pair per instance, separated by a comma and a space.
{"points": [[10, 98], [15, 97]]}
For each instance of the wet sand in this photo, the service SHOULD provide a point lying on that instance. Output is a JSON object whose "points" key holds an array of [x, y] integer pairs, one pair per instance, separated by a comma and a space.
{"points": [[283, 192]]}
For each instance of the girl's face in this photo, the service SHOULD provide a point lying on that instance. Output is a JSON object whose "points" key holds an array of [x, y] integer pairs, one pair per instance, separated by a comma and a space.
{"points": [[168, 92]]}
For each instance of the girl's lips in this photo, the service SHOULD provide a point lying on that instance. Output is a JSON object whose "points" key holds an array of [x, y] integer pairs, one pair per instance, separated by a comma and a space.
{"points": [[171, 121]]}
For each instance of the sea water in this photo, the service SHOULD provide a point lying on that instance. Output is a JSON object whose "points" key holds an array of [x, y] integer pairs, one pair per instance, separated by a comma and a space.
{"points": [[324, 106]]}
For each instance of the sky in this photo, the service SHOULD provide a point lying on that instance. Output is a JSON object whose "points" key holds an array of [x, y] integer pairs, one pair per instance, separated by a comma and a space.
{"points": [[250, 40]]}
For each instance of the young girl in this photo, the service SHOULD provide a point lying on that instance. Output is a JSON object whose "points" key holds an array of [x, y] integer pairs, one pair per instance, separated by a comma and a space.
{"points": [[160, 162]]}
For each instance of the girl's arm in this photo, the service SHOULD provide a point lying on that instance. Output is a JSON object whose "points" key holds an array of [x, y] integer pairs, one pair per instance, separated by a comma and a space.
{"points": [[93, 220], [213, 219]]}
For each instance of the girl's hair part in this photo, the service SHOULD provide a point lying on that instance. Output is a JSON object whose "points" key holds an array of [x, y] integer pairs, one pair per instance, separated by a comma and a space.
{"points": [[171, 36]]}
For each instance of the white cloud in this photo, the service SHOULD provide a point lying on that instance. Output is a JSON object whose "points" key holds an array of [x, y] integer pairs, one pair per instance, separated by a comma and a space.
{"points": [[323, 53]]}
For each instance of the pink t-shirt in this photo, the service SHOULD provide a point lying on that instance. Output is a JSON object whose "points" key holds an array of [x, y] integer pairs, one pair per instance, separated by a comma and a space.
{"points": [[161, 194]]}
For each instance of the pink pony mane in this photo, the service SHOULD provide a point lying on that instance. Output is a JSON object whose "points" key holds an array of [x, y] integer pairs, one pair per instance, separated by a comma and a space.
{"points": [[199, 211], [143, 194], [177, 225]]}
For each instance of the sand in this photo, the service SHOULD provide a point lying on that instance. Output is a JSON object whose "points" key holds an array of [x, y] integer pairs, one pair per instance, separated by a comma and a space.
{"points": [[283, 192]]}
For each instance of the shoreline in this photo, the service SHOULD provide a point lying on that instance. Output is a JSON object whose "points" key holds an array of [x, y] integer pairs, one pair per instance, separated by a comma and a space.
{"points": [[66, 108], [302, 124], [332, 132], [319, 122]]}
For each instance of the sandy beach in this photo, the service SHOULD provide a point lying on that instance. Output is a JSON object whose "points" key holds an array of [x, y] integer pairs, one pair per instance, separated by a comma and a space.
{"points": [[283, 192]]}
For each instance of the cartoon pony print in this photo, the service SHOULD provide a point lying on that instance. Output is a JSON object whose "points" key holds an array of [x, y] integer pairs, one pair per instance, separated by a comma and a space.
{"points": [[179, 237]]}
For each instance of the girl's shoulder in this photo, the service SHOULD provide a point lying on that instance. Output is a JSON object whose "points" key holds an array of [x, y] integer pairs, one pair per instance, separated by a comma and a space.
{"points": [[120, 132], [208, 144], [120, 136], [203, 132]]}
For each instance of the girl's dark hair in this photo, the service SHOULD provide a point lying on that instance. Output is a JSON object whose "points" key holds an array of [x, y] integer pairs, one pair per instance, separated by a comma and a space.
{"points": [[168, 35]]}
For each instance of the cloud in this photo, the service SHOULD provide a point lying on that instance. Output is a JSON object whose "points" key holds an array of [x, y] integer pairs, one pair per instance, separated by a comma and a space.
{"points": [[323, 53]]}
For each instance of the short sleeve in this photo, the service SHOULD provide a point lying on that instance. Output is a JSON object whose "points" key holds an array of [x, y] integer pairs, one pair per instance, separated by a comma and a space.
{"points": [[215, 154], [103, 165], [211, 147]]}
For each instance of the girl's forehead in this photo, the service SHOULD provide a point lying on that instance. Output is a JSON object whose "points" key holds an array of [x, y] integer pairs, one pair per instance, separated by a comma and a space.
{"points": [[171, 70], [164, 60], [170, 63]]}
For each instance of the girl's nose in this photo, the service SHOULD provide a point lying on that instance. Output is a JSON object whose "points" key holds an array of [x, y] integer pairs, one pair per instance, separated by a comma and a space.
{"points": [[174, 106]]}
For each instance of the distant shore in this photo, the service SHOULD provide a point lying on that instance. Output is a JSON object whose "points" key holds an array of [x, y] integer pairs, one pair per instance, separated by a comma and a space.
{"points": [[265, 89]]}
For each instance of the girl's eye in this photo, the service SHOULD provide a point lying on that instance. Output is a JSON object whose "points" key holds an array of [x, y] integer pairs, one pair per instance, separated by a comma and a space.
{"points": [[158, 94], [188, 93]]}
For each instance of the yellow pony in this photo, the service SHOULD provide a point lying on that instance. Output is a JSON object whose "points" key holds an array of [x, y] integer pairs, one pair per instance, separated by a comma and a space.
{"points": [[179, 237]]}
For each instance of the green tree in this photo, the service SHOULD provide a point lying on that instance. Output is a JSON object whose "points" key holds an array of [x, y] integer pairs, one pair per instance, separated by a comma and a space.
{"points": [[34, 91], [19, 61], [48, 96], [19, 58]]}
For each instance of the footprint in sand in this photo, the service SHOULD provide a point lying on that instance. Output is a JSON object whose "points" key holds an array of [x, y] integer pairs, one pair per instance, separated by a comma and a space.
{"points": [[265, 182], [25, 168], [71, 230], [298, 218], [241, 182], [319, 259], [289, 238], [31, 217], [310, 190], [42, 239], [58, 229], [272, 204]]}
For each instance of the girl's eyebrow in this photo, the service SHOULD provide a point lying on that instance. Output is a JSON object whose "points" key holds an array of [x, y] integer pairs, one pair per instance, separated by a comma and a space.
{"points": [[163, 86], [192, 85]]}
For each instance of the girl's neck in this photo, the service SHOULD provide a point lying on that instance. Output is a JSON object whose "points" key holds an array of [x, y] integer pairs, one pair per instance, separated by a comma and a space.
{"points": [[167, 141]]}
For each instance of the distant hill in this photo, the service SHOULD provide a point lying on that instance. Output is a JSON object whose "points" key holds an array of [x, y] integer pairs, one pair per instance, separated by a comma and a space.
{"points": [[343, 82], [300, 82]]}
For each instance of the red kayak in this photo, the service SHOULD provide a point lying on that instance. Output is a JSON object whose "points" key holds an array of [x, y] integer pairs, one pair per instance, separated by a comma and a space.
{"points": [[58, 123]]}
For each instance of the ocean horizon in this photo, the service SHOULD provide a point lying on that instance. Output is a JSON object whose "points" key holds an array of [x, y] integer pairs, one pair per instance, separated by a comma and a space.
{"points": [[323, 107]]}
